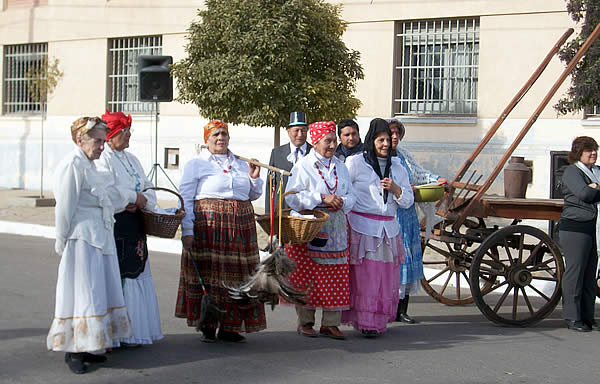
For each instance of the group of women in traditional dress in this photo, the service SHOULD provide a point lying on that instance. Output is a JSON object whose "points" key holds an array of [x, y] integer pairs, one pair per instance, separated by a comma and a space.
{"points": [[367, 260], [358, 269]]}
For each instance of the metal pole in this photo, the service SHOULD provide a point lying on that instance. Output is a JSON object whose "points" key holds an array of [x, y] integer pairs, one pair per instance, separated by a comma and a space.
{"points": [[42, 152], [156, 144]]}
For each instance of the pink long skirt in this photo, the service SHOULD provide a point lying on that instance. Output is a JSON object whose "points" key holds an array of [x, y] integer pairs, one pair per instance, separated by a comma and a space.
{"points": [[374, 283]]}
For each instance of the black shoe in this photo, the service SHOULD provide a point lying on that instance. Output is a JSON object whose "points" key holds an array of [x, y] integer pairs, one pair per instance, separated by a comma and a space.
{"points": [[577, 326], [75, 363], [404, 318], [209, 335], [369, 333], [593, 325], [91, 358], [233, 337]]}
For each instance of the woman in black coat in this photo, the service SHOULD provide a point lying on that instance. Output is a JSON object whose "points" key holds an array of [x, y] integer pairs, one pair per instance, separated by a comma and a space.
{"points": [[579, 233]]}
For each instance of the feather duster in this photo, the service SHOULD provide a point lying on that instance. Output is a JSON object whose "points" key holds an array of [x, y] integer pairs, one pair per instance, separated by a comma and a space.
{"points": [[269, 282]]}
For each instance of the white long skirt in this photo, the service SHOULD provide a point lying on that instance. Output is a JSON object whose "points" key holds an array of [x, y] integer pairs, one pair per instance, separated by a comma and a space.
{"points": [[142, 305], [90, 313]]}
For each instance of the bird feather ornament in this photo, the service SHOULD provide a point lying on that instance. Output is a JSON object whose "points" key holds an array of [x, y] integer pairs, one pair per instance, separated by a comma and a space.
{"points": [[269, 282]]}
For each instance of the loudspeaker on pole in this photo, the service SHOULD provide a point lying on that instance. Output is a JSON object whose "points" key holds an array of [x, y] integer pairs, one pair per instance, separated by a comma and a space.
{"points": [[154, 77]]}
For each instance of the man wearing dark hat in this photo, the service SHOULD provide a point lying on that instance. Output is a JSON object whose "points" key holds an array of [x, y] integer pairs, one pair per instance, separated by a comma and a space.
{"points": [[286, 155], [350, 143]]}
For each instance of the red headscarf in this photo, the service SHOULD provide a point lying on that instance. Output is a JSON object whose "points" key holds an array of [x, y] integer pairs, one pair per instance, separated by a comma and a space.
{"points": [[212, 125], [319, 129], [116, 121]]}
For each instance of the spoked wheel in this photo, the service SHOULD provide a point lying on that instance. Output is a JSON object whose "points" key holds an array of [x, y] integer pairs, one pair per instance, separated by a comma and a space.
{"points": [[450, 258], [526, 266]]}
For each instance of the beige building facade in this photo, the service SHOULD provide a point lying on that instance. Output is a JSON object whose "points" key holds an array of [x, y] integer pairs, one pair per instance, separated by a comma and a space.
{"points": [[445, 68]]}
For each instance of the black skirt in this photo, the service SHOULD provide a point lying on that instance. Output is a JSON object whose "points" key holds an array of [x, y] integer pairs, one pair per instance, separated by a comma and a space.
{"points": [[130, 240]]}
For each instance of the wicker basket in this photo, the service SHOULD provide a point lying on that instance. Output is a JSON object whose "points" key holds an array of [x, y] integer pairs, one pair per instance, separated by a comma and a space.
{"points": [[160, 224], [295, 230]]}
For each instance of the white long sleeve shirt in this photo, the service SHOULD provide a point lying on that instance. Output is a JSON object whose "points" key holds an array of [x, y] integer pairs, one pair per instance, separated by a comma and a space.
{"points": [[309, 184], [129, 178], [369, 197], [84, 209], [204, 177]]}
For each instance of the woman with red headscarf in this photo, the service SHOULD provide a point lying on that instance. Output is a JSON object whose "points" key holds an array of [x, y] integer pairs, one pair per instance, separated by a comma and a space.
{"points": [[322, 181], [129, 197], [219, 238]]}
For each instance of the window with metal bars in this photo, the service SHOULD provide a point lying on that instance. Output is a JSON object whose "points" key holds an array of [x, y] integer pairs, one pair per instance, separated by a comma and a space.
{"points": [[593, 112], [435, 70], [21, 62], [123, 72]]}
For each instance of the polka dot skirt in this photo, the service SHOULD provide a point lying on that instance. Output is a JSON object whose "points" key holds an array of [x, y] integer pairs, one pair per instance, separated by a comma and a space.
{"points": [[328, 285]]}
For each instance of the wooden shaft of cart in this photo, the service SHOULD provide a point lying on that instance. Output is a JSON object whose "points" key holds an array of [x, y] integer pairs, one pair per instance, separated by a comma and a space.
{"points": [[512, 105], [486, 139], [485, 186]]}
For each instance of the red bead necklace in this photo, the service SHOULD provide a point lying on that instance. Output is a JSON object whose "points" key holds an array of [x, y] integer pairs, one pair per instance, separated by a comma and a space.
{"points": [[333, 189], [226, 169]]}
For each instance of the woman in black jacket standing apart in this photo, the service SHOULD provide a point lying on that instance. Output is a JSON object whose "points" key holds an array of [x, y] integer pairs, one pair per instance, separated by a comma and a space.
{"points": [[579, 233]]}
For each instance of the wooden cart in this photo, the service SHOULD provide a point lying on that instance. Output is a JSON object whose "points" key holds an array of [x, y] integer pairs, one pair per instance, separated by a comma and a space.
{"points": [[513, 271]]}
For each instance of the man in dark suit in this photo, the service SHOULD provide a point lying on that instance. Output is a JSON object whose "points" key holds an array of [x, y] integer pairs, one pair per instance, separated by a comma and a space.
{"points": [[286, 155]]}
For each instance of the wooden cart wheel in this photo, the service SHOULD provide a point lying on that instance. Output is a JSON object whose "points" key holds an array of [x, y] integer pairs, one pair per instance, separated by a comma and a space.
{"points": [[527, 267], [450, 285]]}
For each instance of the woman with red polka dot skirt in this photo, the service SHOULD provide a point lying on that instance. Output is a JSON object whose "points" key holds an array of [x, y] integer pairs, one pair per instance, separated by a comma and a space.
{"points": [[322, 181], [381, 186]]}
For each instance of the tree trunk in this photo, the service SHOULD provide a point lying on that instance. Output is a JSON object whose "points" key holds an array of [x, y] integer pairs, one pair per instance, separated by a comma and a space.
{"points": [[276, 137]]}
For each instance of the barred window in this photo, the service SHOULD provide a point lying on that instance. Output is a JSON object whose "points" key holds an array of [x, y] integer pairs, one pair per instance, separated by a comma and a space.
{"points": [[123, 72], [436, 67], [21, 62], [593, 112]]}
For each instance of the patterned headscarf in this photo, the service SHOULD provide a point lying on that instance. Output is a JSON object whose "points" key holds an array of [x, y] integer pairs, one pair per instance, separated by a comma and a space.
{"points": [[212, 125], [116, 122], [83, 125], [320, 129]]}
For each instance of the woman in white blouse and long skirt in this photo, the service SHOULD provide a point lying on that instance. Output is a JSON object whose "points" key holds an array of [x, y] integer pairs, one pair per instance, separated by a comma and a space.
{"points": [[381, 186], [90, 314], [129, 197], [219, 231], [322, 181]]}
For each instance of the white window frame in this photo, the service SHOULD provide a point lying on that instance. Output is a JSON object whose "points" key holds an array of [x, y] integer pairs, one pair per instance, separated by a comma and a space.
{"points": [[436, 67], [19, 59], [122, 87]]}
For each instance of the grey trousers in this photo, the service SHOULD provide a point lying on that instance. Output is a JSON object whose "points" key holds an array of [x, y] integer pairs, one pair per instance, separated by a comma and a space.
{"points": [[579, 279], [306, 316]]}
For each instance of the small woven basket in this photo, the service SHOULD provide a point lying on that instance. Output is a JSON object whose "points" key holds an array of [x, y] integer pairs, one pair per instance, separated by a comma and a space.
{"points": [[160, 224], [294, 230]]}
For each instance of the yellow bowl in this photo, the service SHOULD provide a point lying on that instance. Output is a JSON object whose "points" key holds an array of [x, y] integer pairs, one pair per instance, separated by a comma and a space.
{"points": [[425, 193]]}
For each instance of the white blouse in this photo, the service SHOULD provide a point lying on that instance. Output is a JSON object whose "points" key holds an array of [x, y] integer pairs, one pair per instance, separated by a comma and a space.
{"points": [[369, 197], [84, 210], [129, 178], [309, 184], [211, 176]]}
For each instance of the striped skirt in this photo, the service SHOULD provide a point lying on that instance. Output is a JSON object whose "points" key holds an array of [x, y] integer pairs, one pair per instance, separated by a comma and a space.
{"points": [[226, 252]]}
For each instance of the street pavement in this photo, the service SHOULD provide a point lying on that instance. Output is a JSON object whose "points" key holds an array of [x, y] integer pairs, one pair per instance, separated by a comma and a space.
{"points": [[449, 345]]}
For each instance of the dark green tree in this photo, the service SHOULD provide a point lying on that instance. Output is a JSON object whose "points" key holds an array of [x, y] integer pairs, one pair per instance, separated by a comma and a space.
{"points": [[253, 62], [584, 91]]}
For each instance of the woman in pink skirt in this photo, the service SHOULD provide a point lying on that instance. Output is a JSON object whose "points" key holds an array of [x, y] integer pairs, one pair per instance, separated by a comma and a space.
{"points": [[381, 186]]}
